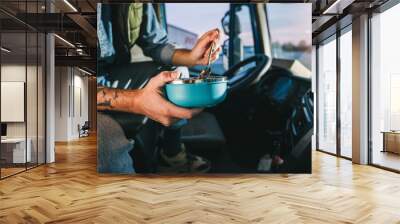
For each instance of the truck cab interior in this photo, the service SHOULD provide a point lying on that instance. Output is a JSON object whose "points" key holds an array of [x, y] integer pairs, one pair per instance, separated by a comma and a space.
{"points": [[268, 110]]}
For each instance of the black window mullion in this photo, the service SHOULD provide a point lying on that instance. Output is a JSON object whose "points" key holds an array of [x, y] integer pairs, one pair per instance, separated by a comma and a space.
{"points": [[338, 100], [316, 125], [369, 100], [37, 90], [73, 91], [45, 91], [26, 86]]}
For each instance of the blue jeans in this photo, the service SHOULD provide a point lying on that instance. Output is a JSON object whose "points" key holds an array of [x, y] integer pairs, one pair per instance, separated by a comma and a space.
{"points": [[113, 146]]}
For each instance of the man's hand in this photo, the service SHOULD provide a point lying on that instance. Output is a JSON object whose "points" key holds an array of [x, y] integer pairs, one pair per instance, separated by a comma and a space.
{"points": [[200, 51], [148, 101], [199, 54]]}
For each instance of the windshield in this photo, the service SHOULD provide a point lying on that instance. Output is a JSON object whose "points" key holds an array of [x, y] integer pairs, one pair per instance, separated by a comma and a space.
{"points": [[284, 21], [187, 22]]}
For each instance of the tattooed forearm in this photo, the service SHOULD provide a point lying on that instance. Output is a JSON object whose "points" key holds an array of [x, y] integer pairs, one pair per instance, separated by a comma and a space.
{"points": [[104, 104], [114, 99], [105, 97], [100, 89], [101, 93]]}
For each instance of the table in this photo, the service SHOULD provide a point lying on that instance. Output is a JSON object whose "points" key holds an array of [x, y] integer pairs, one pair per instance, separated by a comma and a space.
{"points": [[13, 150], [391, 141]]}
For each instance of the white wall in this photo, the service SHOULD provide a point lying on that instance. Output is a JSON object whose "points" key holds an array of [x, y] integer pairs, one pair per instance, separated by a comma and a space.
{"points": [[71, 94], [9, 73], [81, 81], [12, 73], [16, 73], [61, 103]]}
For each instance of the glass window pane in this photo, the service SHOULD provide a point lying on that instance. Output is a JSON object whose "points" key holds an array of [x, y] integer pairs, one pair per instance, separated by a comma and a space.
{"points": [[32, 89], [13, 86], [385, 114], [346, 94], [327, 96], [284, 44], [31, 97], [22, 88]]}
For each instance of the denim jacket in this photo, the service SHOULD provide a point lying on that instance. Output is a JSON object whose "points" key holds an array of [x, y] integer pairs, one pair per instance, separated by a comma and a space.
{"points": [[113, 48]]}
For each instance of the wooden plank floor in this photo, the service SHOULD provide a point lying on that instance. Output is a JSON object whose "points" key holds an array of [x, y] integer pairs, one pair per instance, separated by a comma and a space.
{"points": [[70, 191]]}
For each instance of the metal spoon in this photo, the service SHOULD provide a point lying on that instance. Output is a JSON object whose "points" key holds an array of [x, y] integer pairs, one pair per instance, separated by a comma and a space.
{"points": [[206, 72]]}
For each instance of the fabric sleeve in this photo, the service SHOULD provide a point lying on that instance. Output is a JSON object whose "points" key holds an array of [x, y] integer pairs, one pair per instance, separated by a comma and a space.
{"points": [[153, 38]]}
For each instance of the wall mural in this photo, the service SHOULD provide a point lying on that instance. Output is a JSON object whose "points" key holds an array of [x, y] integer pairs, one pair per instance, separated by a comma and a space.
{"points": [[204, 88]]}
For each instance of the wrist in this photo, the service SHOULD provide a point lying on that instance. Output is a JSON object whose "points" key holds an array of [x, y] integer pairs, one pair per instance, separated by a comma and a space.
{"points": [[135, 97], [191, 58], [184, 57]]}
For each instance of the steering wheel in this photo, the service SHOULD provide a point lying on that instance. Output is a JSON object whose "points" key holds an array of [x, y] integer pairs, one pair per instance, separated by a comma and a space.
{"points": [[241, 79]]}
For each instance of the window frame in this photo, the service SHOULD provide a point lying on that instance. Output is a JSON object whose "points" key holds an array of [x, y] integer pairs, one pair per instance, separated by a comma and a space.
{"points": [[254, 27], [25, 30], [334, 37], [379, 10]]}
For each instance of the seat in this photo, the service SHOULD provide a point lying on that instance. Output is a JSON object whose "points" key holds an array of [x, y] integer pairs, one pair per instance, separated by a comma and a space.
{"points": [[83, 131], [203, 132]]}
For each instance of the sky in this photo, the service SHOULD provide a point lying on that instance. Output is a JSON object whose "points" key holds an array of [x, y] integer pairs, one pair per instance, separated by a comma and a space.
{"points": [[288, 22], [196, 17]]}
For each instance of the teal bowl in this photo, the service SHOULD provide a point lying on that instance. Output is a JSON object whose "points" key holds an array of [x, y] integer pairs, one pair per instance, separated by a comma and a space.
{"points": [[197, 92]]}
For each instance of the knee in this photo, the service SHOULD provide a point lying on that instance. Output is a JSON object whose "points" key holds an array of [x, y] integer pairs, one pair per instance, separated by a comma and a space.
{"points": [[112, 147]]}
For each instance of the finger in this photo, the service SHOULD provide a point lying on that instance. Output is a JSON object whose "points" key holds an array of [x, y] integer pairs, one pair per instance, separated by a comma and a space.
{"points": [[179, 112], [216, 35], [210, 32], [216, 48], [165, 122], [196, 111], [208, 37], [217, 51], [206, 53], [214, 57], [205, 42], [168, 121], [163, 78]]}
